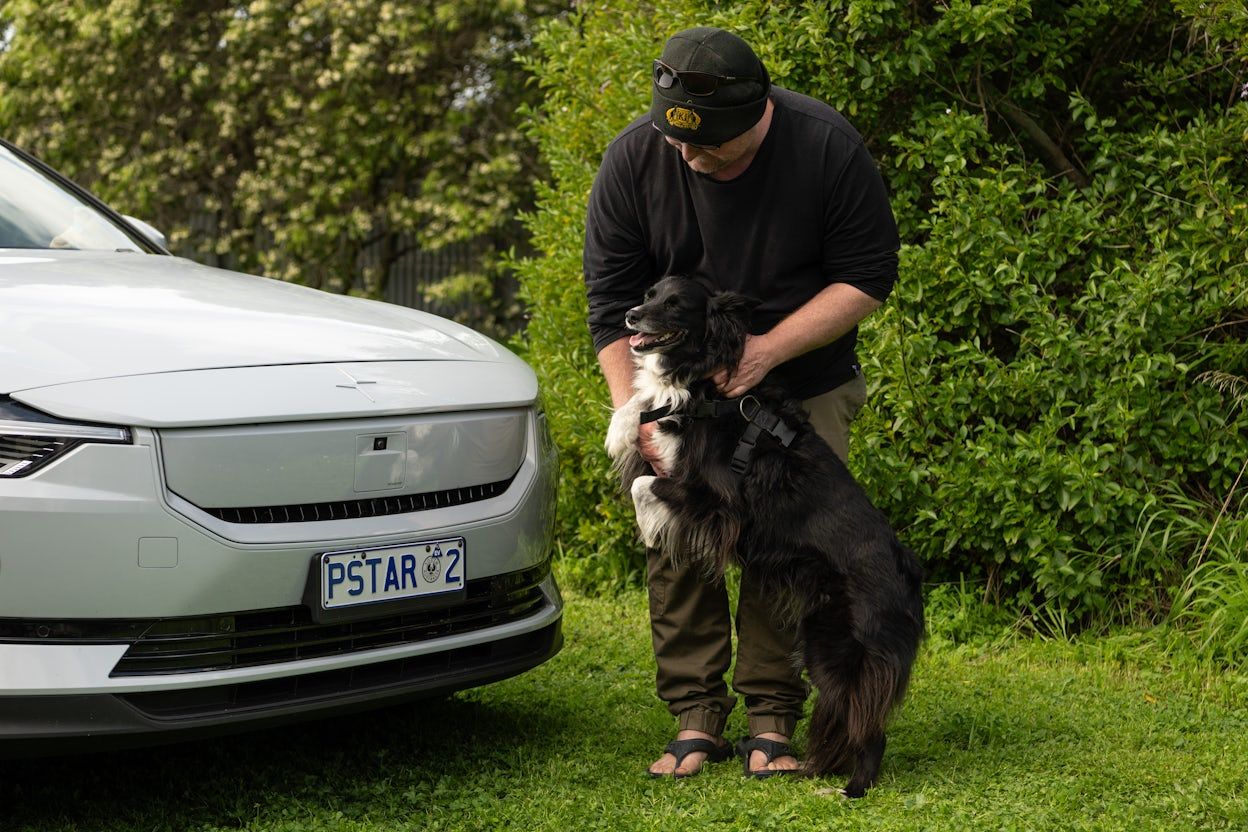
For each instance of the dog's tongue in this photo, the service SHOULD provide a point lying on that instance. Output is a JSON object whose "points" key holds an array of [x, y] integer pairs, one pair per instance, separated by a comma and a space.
{"points": [[637, 340]]}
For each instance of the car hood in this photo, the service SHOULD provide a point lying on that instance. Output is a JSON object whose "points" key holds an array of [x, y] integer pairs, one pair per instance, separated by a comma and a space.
{"points": [[74, 316]]}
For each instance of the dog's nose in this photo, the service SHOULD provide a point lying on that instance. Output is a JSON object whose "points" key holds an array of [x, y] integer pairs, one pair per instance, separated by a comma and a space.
{"points": [[630, 317]]}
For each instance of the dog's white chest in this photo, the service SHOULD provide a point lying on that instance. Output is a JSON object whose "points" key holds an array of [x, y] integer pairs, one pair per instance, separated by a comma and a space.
{"points": [[656, 391], [652, 385], [653, 392]]}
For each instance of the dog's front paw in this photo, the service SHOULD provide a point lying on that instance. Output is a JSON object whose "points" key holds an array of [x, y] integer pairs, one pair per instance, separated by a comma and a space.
{"points": [[653, 515], [622, 433]]}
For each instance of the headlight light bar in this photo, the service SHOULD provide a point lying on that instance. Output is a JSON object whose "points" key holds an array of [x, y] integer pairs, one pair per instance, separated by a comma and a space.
{"points": [[30, 439]]}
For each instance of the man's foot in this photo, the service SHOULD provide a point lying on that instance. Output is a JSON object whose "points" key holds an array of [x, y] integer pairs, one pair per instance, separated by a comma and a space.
{"points": [[760, 765], [689, 763]]}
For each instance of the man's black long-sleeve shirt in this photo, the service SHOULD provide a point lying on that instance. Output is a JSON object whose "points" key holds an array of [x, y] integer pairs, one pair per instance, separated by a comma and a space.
{"points": [[810, 210]]}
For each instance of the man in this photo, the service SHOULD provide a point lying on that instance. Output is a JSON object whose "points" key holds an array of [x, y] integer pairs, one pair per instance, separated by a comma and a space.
{"points": [[771, 194]]}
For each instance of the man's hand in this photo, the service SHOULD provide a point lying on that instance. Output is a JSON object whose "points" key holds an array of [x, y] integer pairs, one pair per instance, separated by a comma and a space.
{"points": [[757, 360], [648, 448], [821, 320]]}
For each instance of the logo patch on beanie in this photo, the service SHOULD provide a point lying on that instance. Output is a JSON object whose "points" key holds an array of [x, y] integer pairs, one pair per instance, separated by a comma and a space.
{"points": [[683, 118]]}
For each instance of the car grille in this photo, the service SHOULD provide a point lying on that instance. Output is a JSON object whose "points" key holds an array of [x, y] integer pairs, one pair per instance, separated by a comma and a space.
{"points": [[400, 678], [353, 509], [188, 645]]}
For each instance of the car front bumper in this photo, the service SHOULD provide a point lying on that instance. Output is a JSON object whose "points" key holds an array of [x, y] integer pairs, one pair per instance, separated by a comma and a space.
{"points": [[73, 575], [41, 724]]}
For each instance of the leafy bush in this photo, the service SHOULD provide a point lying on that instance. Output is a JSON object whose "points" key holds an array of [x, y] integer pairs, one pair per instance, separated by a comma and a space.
{"points": [[1072, 189], [587, 100]]}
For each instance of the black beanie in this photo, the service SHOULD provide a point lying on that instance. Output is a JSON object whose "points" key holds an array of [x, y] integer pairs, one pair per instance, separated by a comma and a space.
{"points": [[733, 108]]}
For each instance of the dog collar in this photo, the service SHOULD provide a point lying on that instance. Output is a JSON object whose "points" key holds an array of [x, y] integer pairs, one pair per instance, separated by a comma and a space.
{"points": [[698, 410]]}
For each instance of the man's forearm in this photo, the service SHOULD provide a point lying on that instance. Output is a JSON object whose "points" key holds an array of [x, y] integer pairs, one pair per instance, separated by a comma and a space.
{"points": [[821, 320], [616, 361], [836, 310]]}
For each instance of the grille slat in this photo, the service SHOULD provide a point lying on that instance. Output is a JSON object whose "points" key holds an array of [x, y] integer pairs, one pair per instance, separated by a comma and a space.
{"points": [[287, 634], [527, 650], [164, 661], [160, 647], [354, 509]]}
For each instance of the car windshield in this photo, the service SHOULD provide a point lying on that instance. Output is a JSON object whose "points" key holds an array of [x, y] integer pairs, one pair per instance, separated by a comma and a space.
{"points": [[36, 212]]}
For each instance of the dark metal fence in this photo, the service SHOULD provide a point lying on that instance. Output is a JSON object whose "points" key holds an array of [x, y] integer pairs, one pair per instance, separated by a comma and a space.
{"points": [[413, 279], [414, 274]]}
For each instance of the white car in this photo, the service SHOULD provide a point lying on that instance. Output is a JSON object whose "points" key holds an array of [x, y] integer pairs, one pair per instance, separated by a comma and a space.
{"points": [[227, 500]]}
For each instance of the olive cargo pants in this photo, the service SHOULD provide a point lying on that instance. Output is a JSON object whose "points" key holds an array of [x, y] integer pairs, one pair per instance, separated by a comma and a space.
{"points": [[691, 625]]}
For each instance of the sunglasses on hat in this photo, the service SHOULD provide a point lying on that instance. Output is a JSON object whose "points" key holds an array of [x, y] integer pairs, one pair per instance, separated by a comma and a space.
{"points": [[694, 83]]}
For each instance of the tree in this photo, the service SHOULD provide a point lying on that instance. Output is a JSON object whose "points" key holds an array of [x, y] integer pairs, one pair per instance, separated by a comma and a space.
{"points": [[285, 138]]}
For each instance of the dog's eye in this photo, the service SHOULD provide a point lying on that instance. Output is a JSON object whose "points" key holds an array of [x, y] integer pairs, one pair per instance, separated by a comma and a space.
{"points": [[670, 303]]}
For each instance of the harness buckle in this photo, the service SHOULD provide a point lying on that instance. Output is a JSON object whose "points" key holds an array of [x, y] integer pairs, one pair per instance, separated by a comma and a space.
{"points": [[744, 450], [758, 406], [760, 418]]}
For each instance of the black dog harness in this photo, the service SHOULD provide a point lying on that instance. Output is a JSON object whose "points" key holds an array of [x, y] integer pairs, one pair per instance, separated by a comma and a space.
{"points": [[759, 420]]}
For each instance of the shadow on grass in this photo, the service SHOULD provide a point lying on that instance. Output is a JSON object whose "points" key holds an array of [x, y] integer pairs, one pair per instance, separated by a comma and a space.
{"points": [[335, 764]]}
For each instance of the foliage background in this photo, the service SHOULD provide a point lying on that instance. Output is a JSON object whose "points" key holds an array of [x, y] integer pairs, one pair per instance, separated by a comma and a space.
{"points": [[1071, 183], [1057, 383], [286, 138], [1057, 386]]}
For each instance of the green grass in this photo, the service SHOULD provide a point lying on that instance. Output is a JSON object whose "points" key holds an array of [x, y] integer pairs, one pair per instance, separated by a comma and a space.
{"points": [[1000, 732]]}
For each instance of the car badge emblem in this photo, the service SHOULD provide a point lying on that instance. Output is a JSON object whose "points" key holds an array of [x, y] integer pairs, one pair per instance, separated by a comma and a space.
{"points": [[355, 384]]}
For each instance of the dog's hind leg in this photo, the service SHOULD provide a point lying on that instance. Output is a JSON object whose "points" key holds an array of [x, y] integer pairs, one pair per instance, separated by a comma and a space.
{"points": [[858, 686], [828, 748], [878, 687], [832, 658], [847, 726], [866, 766]]}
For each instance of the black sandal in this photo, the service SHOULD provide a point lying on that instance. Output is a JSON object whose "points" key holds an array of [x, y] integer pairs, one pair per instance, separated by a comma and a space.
{"points": [[680, 749], [772, 749]]}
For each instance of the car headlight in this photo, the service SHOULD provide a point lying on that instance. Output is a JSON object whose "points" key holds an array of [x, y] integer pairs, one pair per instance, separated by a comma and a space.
{"points": [[545, 440], [30, 439]]}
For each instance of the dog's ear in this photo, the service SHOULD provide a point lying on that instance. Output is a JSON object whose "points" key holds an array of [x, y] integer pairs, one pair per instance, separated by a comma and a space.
{"points": [[731, 305], [727, 322]]}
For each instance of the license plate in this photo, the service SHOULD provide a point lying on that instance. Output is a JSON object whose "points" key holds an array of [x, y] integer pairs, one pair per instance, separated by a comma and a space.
{"points": [[391, 573]]}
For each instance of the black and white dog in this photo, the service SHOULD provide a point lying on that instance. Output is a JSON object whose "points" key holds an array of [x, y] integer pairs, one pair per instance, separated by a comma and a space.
{"points": [[750, 482]]}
